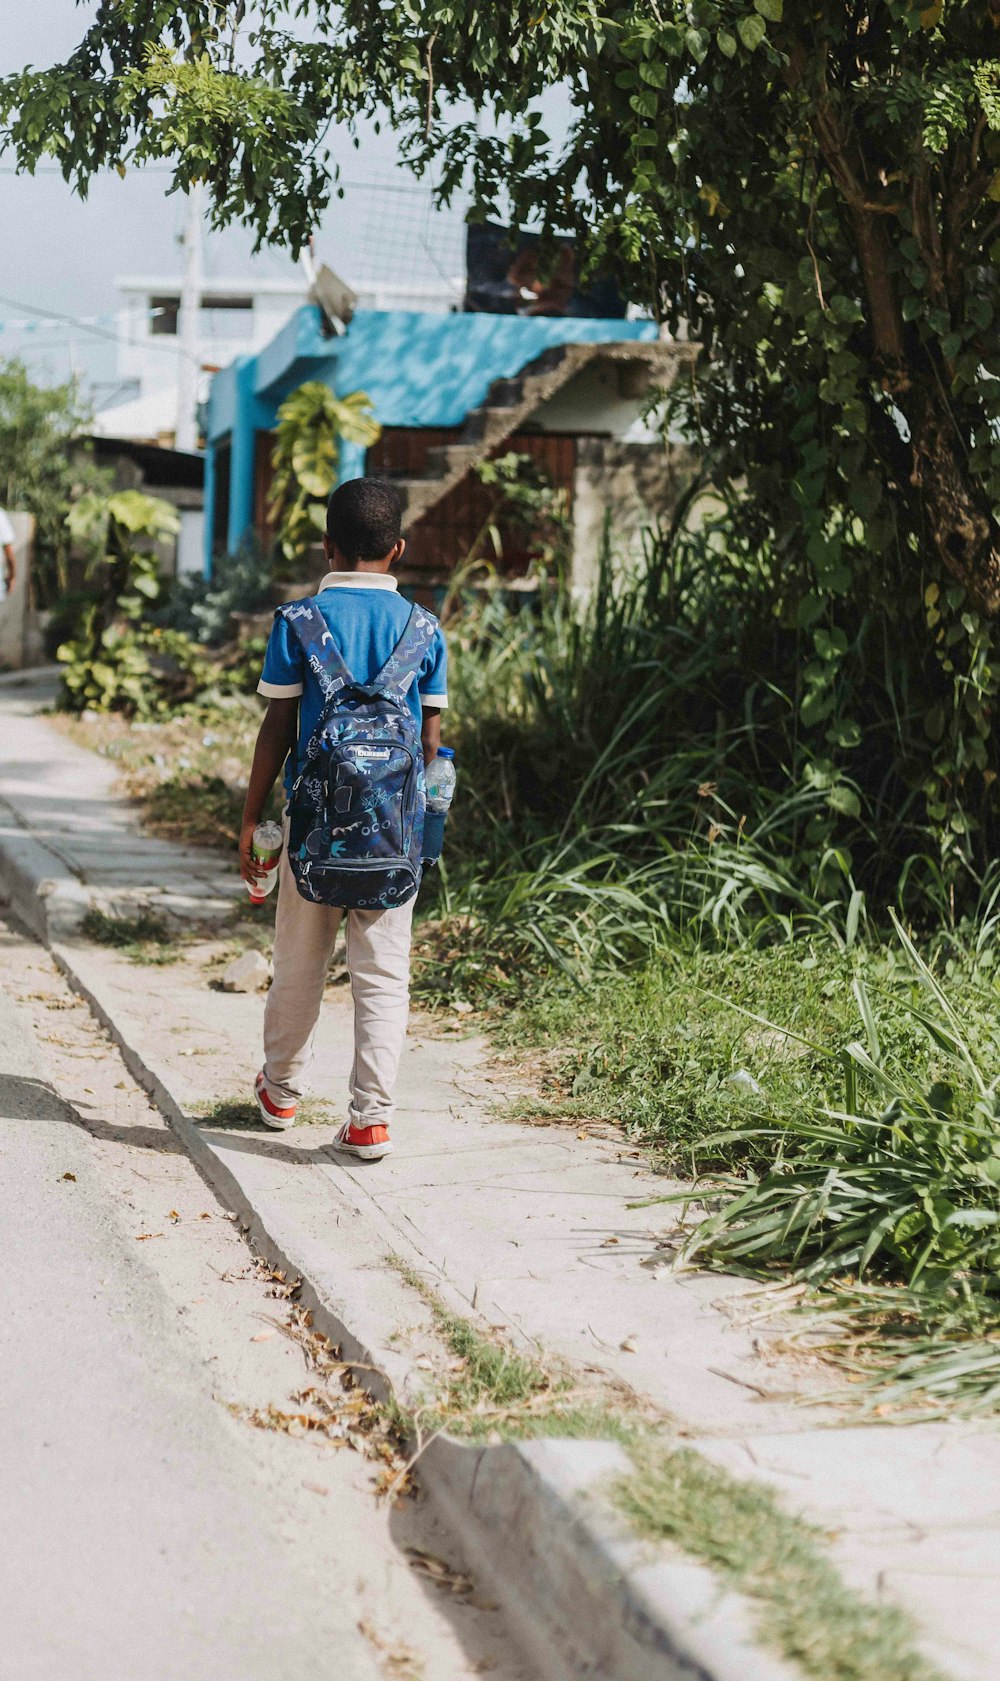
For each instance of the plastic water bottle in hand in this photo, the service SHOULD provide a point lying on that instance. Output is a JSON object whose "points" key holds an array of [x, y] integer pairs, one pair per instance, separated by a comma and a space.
{"points": [[440, 792], [266, 851]]}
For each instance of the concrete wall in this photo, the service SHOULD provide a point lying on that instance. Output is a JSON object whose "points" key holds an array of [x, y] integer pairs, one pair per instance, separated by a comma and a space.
{"points": [[604, 397], [17, 638], [635, 485]]}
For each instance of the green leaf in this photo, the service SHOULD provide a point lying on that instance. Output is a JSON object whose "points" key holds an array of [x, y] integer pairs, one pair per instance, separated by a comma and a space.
{"points": [[913, 1222], [844, 800], [751, 31], [934, 722], [810, 609], [727, 42], [770, 9]]}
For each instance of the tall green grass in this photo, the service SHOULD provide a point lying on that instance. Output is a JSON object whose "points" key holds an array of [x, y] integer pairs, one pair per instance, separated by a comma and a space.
{"points": [[899, 1178], [661, 868], [640, 768]]}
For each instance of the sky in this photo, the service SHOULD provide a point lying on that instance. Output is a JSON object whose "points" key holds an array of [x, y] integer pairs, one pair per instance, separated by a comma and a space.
{"points": [[62, 254]]}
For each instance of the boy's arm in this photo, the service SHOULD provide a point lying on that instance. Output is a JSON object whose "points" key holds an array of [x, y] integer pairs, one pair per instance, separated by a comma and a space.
{"points": [[275, 741], [430, 732]]}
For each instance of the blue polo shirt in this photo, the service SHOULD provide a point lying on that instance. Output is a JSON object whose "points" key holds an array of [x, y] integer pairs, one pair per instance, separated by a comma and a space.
{"points": [[366, 616]]}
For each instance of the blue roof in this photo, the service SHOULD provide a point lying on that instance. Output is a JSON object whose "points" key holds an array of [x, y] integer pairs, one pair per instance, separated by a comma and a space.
{"points": [[418, 370]]}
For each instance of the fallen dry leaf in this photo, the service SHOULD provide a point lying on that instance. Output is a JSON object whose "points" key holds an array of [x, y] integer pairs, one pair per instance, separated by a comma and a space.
{"points": [[608, 1241], [437, 1571], [144, 1237], [397, 1660], [315, 1488], [71, 1177], [262, 1336], [173, 1215], [627, 1345]]}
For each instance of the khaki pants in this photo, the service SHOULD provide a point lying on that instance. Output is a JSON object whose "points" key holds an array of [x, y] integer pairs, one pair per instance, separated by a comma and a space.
{"points": [[378, 958]]}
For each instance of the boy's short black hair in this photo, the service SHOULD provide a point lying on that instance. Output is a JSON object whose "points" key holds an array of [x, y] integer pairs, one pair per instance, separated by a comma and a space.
{"points": [[363, 519]]}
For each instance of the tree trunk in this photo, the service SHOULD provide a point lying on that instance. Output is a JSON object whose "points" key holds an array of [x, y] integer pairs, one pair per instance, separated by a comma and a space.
{"points": [[962, 528], [965, 535]]}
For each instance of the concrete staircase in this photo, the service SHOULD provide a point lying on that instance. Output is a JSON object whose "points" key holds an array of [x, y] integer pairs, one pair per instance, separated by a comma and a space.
{"points": [[511, 403]]}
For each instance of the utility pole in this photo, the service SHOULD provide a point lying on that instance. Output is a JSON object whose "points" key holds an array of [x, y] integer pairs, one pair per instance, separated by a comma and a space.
{"points": [[186, 430]]}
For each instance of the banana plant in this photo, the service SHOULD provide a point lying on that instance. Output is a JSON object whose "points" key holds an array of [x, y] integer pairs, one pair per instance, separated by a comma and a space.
{"points": [[311, 423]]}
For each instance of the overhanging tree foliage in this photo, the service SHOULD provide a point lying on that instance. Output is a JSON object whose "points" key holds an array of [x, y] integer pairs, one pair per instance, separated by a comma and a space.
{"points": [[814, 190]]}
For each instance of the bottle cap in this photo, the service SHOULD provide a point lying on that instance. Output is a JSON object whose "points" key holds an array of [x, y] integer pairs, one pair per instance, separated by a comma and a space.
{"points": [[446, 752]]}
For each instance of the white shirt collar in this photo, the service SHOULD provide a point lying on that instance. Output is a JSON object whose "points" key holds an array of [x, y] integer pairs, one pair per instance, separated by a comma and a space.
{"points": [[358, 581]]}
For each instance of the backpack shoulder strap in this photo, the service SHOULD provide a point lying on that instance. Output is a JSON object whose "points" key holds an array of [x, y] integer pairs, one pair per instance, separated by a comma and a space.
{"points": [[405, 660], [323, 657], [315, 638]]}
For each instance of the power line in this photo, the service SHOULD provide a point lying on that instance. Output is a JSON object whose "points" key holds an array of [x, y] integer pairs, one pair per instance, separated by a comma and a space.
{"points": [[83, 325]]}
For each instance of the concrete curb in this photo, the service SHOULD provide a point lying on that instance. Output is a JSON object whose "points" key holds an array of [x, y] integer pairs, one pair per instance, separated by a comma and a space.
{"points": [[39, 886], [585, 1600], [45, 893]]}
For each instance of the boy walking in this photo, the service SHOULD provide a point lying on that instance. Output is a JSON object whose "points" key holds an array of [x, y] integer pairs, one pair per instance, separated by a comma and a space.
{"points": [[364, 618]]}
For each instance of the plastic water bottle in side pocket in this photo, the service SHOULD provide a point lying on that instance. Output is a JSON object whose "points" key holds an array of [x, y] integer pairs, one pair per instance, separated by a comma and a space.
{"points": [[440, 777]]}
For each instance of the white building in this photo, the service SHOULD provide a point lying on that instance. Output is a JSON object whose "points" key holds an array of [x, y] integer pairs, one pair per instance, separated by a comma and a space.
{"points": [[236, 317]]}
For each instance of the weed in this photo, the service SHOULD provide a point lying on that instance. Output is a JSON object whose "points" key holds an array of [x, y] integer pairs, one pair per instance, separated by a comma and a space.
{"points": [[143, 938], [803, 1608], [491, 1391], [197, 811], [739, 1529], [241, 1113]]}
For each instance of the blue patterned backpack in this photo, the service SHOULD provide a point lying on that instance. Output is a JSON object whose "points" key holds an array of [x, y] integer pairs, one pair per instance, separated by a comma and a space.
{"points": [[356, 810]]}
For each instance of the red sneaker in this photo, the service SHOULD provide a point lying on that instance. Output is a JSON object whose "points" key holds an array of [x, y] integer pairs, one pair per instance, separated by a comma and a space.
{"points": [[270, 1114], [367, 1144]]}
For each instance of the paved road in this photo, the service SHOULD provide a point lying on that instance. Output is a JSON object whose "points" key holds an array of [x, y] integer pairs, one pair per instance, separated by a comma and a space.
{"points": [[147, 1534]]}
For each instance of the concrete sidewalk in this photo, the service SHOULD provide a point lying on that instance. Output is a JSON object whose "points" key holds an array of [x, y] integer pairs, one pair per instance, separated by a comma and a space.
{"points": [[68, 843], [527, 1227]]}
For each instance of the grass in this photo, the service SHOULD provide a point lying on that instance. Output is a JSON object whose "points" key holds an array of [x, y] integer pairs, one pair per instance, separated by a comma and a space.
{"points": [[835, 1117], [492, 1392], [201, 811], [241, 1113], [142, 938], [188, 773], [802, 1607]]}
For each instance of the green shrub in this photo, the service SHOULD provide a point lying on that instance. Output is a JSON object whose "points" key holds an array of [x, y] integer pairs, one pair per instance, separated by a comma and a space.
{"points": [[203, 608], [642, 769]]}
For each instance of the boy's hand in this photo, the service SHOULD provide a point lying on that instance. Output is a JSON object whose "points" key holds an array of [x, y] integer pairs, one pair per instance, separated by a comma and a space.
{"points": [[275, 740], [250, 870]]}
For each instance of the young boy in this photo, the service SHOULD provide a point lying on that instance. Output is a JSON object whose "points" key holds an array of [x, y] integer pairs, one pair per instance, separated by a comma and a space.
{"points": [[366, 617]]}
